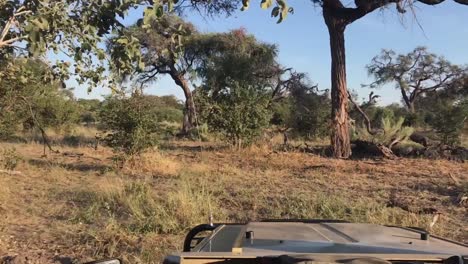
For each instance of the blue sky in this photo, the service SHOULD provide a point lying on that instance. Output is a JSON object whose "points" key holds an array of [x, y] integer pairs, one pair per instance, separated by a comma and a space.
{"points": [[304, 44]]}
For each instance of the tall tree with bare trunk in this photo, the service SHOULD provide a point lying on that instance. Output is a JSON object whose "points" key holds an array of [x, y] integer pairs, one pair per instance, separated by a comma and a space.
{"points": [[338, 16], [164, 48]]}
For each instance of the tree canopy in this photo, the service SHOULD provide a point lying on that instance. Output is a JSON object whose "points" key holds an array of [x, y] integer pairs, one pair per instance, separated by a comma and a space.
{"points": [[33, 100], [415, 74], [78, 28]]}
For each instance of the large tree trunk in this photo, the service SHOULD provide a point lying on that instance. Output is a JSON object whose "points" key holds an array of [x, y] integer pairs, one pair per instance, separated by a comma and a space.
{"points": [[340, 138], [190, 110], [408, 102], [189, 113]]}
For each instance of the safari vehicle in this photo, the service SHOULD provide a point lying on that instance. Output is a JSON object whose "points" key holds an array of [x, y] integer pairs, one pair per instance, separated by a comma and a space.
{"points": [[314, 241]]}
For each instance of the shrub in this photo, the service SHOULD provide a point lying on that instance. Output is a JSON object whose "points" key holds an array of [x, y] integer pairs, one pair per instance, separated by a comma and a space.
{"points": [[309, 112], [8, 125], [200, 132], [390, 131], [132, 125], [239, 114], [10, 159], [450, 121]]}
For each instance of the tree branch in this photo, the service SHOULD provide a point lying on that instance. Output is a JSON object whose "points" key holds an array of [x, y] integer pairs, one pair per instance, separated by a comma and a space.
{"points": [[365, 7], [364, 115], [38, 124], [9, 24]]}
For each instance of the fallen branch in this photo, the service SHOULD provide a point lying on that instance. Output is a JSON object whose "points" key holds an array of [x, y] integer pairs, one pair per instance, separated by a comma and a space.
{"points": [[10, 172], [462, 199], [373, 149], [71, 154], [386, 152], [455, 180]]}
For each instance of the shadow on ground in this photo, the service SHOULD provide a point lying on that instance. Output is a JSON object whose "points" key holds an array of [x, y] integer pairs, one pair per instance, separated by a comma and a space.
{"points": [[195, 148], [78, 166]]}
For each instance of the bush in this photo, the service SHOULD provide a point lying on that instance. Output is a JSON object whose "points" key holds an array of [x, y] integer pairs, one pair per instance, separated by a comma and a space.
{"points": [[30, 97], [310, 113], [132, 125], [239, 114], [10, 159], [390, 131], [200, 132], [450, 121], [8, 125]]}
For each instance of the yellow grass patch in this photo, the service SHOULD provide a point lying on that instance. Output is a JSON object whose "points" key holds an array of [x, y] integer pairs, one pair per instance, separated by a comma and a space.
{"points": [[153, 163]]}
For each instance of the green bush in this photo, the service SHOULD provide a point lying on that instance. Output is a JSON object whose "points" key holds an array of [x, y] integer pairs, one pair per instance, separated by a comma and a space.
{"points": [[310, 113], [450, 121], [240, 114], [200, 132], [131, 124], [389, 131], [31, 97], [8, 125]]}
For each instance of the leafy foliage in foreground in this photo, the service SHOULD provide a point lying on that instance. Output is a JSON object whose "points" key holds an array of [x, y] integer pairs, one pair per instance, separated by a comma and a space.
{"points": [[30, 97]]}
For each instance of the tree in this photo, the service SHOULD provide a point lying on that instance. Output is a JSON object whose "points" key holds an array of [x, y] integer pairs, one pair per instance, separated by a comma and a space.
{"points": [[446, 111], [307, 107], [450, 120], [239, 56], [213, 59], [74, 28], [78, 28], [416, 74], [235, 64], [337, 17], [31, 98], [164, 54]]}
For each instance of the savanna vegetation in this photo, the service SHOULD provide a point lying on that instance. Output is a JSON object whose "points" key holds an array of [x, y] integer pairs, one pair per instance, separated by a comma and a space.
{"points": [[128, 175]]}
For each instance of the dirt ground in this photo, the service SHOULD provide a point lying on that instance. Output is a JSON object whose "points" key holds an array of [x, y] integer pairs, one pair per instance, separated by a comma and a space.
{"points": [[52, 210]]}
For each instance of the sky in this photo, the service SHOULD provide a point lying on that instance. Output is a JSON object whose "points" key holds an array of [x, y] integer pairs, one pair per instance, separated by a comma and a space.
{"points": [[304, 43]]}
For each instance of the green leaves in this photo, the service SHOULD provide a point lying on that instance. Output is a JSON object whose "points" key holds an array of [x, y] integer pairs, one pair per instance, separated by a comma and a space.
{"points": [[41, 23], [284, 10], [281, 10], [265, 4], [77, 28], [240, 115], [275, 11], [123, 41], [34, 81], [245, 5]]}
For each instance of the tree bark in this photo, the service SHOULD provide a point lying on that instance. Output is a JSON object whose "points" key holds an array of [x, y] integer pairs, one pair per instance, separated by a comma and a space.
{"points": [[340, 138], [189, 113], [408, 102], [190, 110]]}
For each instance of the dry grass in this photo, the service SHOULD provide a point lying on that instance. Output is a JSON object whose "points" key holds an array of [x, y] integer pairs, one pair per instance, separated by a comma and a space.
{"points": [[152, 163], [84, 208]]}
